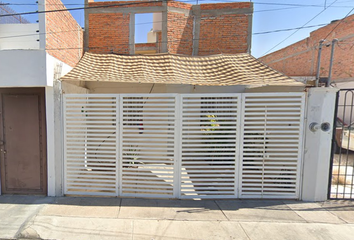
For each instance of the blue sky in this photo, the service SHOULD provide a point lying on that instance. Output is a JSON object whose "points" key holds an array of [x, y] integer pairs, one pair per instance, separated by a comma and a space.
{"points": [[269, 15]]}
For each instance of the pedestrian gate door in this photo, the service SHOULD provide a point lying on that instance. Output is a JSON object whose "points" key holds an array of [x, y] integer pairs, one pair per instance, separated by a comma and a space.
{"points": [[183, 145]]}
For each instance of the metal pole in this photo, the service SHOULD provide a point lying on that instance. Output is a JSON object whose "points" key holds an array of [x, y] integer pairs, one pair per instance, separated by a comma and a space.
{"points": [[331, 63], [319, 62]]}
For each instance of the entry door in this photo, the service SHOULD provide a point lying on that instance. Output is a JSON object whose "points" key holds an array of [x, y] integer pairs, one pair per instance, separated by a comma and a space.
{"points": [[23, 141]]}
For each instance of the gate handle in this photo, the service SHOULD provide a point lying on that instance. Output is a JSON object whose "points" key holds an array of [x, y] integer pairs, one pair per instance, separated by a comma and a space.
{"points": [[314, 127]]}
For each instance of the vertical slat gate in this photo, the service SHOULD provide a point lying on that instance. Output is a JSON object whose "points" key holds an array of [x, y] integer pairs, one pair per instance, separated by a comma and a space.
{"points": [[90, 145], [272, 145], [209, 139], [183, 145]]}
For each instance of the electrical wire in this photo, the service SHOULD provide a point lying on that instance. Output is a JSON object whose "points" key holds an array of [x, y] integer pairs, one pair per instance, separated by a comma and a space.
{"points": [[272, 3], [114, 46], [75, 30], [113, 5], [80, 8], [299, 28], [70, 9], [124, 4], [290, 29], [188, 1], [338, 23]]}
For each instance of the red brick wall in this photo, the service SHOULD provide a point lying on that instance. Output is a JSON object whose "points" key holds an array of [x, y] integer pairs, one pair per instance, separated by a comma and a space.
{"points": [[179, 33], [290, 58], [222, 33], [159, 42], [300, 59], [181, 5], [145, 47], [126, 4], [211, 6], [109, 32], [64, 36]]}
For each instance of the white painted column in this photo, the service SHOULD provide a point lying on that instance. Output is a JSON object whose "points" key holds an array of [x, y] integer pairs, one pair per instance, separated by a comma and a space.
{"points": [[318, 141], [49, 98], [42, 24]]}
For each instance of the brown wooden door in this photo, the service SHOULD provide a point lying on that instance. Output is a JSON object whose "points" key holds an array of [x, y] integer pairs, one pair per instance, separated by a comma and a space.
{"points": [[23, 141]]}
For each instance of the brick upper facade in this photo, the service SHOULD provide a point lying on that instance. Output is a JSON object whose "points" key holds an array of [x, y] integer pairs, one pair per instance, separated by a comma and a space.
{"points": [[186, 29], [300, 59], [64, 36]]}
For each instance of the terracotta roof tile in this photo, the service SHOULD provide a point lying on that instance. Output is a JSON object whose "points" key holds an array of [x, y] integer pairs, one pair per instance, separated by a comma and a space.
{"points": [[220, 70]]}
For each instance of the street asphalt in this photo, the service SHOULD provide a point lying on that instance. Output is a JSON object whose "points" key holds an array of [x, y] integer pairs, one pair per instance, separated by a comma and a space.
{"points": [[34, 217]]}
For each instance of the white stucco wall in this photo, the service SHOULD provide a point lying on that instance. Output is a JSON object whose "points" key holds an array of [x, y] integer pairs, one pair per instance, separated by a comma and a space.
{"points": [[320, 109], [19, 36], [29, 68], [151, 37], [55, 69], [23, 68], [157, 22]]}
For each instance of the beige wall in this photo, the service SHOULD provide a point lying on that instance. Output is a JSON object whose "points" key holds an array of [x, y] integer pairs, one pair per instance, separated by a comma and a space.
{"points": [[118, 88], [115, 87], [275, 89]]}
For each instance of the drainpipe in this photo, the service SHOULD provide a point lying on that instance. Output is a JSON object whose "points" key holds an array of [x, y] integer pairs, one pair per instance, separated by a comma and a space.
{"points": [[319, 62], [331, 63]]}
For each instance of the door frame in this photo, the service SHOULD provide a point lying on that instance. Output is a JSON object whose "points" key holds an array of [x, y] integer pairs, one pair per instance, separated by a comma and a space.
{"points": [[40, 91]]}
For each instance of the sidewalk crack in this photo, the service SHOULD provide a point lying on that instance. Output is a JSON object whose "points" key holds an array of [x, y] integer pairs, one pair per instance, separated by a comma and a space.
{"points": [[133, 230], [120, 206], [221, 210], [248, 237]]}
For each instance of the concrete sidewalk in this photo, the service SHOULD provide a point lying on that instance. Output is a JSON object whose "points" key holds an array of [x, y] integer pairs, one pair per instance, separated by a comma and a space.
{"points": [[29, 217]]}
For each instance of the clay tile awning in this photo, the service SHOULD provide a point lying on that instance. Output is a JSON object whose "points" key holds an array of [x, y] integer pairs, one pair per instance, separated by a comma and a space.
{"points": [[215, 70]]}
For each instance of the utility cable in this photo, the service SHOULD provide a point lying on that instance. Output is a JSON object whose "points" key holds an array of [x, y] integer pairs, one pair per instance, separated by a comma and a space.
{"points": [[135, 3], [299, 28], [272, 3], [188, 1], [80, 8], [338, 24], [257, 33]]}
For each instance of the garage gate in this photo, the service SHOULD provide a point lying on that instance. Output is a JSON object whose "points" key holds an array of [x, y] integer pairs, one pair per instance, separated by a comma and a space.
{"points": [[183, 145]]}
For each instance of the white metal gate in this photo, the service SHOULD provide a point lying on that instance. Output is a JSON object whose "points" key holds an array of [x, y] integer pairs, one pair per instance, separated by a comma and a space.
{"points": [[183, 145]]}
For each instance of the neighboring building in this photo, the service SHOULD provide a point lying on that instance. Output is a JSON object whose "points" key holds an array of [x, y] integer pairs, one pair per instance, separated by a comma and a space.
{"points": [[33, 56], [178, 28], [300, 59]]}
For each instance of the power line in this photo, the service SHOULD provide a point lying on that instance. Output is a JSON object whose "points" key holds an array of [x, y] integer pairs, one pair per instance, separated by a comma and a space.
{"points": [[274, 3], [36, 4], [129, 44], [257, 33], [338, 23], [299, 28], [115, 5], [290, 29], [80, 8], [260, 3]]}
